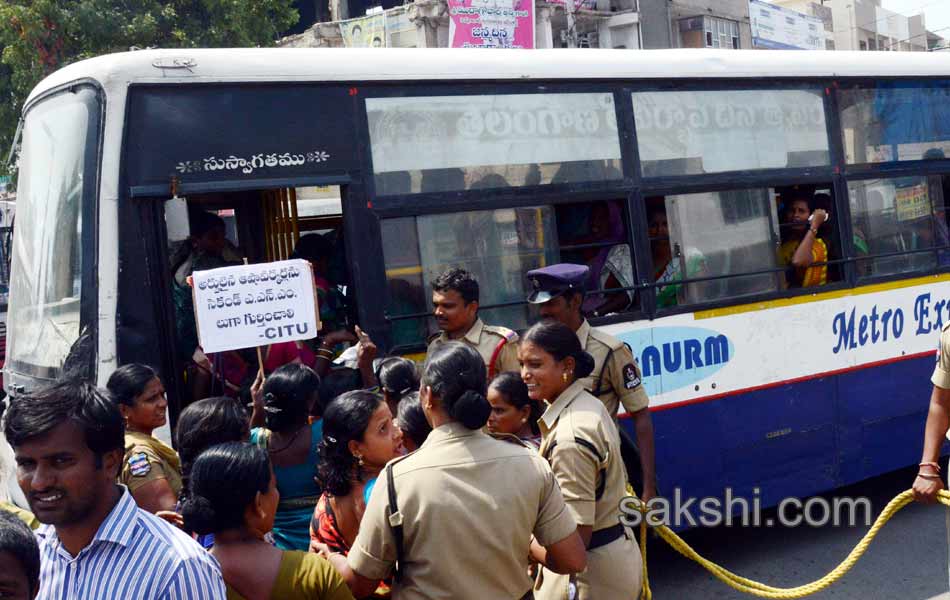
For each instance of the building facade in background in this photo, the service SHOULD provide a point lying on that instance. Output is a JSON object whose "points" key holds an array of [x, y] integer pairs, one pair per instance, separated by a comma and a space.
{"points": [[633, 24]]}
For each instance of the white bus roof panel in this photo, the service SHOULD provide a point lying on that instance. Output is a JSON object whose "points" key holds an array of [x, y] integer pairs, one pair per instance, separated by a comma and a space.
{"points": [[407, 64]]}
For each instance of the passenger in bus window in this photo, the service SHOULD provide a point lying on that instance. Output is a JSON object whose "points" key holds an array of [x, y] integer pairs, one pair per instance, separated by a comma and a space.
{"points": [[615, 378], [580, 442], [611, 266], [455, 302], [669, 261], [802, 247], [150, 468]]}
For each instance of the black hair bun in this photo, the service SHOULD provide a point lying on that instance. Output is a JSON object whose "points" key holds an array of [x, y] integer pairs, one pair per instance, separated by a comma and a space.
{"points": [[471, 409], [199, 515], [584, 365]]}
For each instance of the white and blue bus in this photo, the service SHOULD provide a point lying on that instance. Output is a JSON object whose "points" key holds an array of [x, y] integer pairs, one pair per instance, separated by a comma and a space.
{"points": [[669, 172]]}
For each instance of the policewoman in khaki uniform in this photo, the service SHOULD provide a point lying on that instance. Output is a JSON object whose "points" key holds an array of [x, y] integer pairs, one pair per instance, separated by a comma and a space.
{"points": [[929, 480], [559, 291], [581, 443], [455, 301], [150, 469], [455, 519]]}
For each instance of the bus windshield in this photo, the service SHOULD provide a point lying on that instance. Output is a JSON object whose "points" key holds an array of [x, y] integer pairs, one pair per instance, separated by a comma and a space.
{"points": [[47, 255]]}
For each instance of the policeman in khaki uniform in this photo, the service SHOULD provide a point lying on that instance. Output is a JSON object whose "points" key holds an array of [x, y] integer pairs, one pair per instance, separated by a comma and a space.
{"points": [[455, 298], [581, 442], [559, 290], [456, 517], [929, 480]]}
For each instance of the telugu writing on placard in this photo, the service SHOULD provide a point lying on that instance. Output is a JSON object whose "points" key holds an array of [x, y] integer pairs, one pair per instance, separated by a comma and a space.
{"points": [[255, 305]]}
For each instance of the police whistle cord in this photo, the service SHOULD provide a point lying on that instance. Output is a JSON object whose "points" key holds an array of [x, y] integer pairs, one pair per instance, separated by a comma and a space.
{"points": [[761, 590]]}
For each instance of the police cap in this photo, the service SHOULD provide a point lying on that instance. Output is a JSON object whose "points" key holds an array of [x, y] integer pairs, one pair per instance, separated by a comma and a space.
{"points": [[554, 280]]}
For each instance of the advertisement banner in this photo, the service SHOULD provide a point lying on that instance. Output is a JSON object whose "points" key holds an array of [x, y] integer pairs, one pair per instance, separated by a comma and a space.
{"points": [[491, 23], [913, 202], [778, 28], [255, 305], [364, 32]]}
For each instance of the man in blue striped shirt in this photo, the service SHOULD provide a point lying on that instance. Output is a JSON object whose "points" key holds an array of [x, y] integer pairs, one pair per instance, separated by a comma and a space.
{"points": [[95, 542]]}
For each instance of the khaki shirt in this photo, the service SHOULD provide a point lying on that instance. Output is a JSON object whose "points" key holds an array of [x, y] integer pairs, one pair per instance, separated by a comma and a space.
{"points": [[576, 414], [616, 381], [147, 459], [613, 571], [485, 339], [941, 376], [466, 525]]}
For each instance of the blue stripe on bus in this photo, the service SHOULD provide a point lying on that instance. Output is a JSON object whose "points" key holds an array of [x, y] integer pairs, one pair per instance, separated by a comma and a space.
{"points": [[796, 440]]}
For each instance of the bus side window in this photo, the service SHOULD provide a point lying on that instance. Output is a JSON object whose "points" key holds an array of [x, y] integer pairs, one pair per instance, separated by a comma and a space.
{"points": [[904, 215], [709, 235], [497, 246], [595, 234], [725, 239]]}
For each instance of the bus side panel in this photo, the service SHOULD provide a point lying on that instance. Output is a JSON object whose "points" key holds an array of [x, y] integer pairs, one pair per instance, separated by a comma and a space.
{"points": [[794, 440], [781, 440], [883, 412]]}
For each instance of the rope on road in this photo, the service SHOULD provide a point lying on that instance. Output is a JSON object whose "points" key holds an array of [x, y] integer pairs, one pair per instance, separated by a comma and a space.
{"points": [[761, 590]]}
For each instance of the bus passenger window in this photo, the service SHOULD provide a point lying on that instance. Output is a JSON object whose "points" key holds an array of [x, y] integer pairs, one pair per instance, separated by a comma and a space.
{"points": [[437, 144], [725, 240], [895, 121], [595, 234], [804, 253], [693, 132], [497, 246], [903, 218]]}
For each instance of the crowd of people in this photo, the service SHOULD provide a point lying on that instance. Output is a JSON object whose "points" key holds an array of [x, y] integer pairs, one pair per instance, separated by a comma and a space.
{"points": [[493, 470]]}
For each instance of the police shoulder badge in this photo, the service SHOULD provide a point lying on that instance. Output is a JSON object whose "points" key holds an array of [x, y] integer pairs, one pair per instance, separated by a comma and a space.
{"points": [[138, 465], [630, 378]]}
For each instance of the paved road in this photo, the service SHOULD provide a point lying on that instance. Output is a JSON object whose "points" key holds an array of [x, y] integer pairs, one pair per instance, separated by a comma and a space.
{"points": [[908, 559]]}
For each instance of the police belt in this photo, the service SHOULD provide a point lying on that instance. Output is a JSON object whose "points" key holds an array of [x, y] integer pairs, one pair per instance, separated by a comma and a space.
{"points": [[603, 537]]}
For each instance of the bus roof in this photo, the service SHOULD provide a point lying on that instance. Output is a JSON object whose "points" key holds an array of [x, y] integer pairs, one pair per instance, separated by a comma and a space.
{"points": [[399, 64]]}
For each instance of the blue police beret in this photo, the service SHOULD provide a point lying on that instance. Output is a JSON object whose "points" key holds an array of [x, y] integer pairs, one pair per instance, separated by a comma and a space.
{"points": [[552, 281]]}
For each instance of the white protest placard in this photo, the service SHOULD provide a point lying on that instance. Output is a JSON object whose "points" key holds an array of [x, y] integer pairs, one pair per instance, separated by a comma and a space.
{"points": [[255, 305]]}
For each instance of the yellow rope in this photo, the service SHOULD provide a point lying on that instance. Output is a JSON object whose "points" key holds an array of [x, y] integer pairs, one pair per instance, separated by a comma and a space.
{"points": [[760, 589]]}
